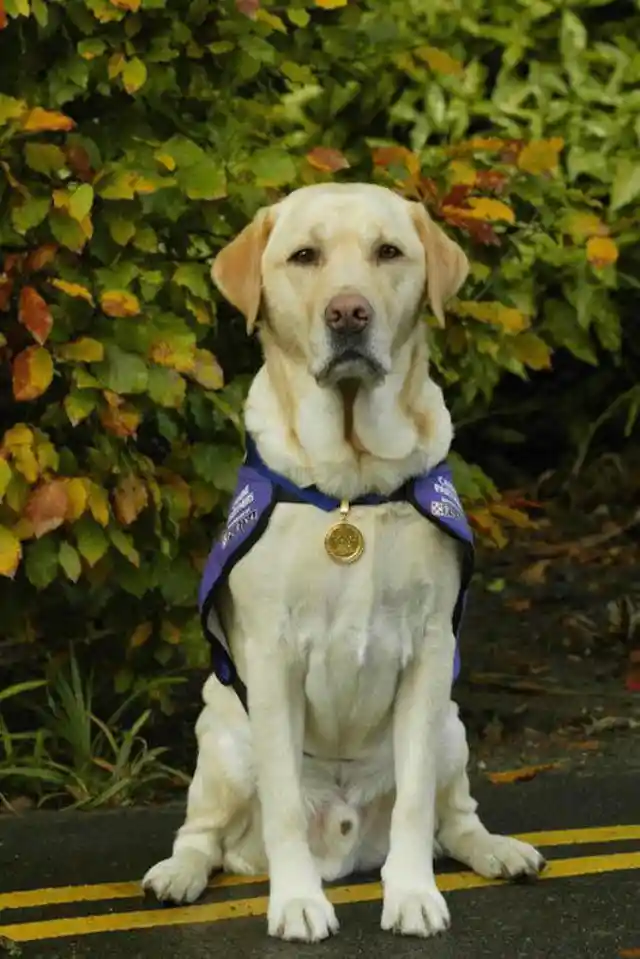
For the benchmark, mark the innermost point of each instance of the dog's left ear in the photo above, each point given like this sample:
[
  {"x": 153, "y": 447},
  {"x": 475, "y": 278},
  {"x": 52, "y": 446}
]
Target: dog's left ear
[
  {"x": 447, "y": 264},
  {"x": 237, "y": 269}
]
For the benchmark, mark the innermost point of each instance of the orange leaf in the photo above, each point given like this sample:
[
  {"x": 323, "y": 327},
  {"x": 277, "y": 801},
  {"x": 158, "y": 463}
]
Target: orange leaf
[
  {"x": 3, "y": 16},
  {"x": 248, "y": 7},
  {"x": 391, "y": 156},
  {"x": 119, "y": 303},
  {"x": 140, "y": 635},
  {"x": 130, "y": 497},
  {"x": 41, "y": 257},
  {"x": 47, "y": 507},
  {"x": 207, "y": 371},
  {"x": 496, "y": 314},
  {"x": 331, "y": 4},
  {"x": 629, "y": 954},
  {"x": 132, "y": 5},
  {"x": 601, "y": 251},
  {"x": 73, "y": 289},
  {"x": 524, "y": 774},
  {"x": 32, "y": 373},
  {"x": 327, "y": 159},
  {"x": 35, "y": 314},
  {"x": 120, "y": 421},
  {"x": 540, "y": 156},
  {"x": 38, "y": 120}
]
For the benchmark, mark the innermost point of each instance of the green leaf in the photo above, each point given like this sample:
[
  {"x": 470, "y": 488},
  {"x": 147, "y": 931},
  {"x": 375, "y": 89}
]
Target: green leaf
[
  {"x": 121, "y": 230},
  {"x": 300, "y": 18},
  {"x": 19, "y": 688},
  {"x": 67, "y": 231},
  {"x": 5, "y": 477},
  {"x": 41, "y": 562},
  {"x": 166, "y": 387},
  {"x": 273, "y": 167},
  {"x": 206, "y": 180},
  {"x": 44, "y": 157},
  {"x": 626, "y": 183},
  {"x": 91, "y": 540},
  {"x": 79, "y": 404},
  {"x": 184, "y": 152},
  {"x": 217, "y": 464},
  {"x": 124, "y": 544},
  {"x": 30, "y": 213},
  {"x": 122, "y": 372},
  {"x": 193, "y": 276},
  {"x": 70, "y": 562}
]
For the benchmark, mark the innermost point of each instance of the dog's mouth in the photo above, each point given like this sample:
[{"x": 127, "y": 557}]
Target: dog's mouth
[{"x": 351, "y": 364}]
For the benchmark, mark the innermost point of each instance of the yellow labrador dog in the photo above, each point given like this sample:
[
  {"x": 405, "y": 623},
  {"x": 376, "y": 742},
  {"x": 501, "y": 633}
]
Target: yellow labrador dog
[{"x": 334, "y": 619}]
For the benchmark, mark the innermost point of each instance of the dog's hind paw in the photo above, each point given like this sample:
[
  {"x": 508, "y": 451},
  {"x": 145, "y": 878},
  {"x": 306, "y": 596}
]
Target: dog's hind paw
[{"x": 183, "y": 878}]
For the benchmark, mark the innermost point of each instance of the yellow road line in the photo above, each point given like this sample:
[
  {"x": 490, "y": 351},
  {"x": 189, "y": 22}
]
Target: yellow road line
[
  {"x": 64, "y": 895},
  {"x": 243, "y": 908}
]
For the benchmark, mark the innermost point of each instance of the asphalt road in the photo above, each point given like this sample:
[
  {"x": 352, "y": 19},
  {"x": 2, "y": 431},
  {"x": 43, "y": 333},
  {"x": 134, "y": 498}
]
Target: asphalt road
[{"x": 68, "y": 887}]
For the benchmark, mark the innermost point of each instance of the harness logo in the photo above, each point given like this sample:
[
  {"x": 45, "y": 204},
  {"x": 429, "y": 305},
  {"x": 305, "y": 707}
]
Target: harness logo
[
  {"x": 238, "y": 526},
  {"x": 449, "y": 505}
]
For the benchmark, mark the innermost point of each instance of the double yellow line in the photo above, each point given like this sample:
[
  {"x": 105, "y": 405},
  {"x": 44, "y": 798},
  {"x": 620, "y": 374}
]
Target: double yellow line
[{"x": 257, "y": 906}]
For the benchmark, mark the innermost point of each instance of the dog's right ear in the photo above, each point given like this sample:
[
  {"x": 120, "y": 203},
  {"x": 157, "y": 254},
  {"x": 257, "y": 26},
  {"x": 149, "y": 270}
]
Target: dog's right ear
[{"x": 237, "y": 270}]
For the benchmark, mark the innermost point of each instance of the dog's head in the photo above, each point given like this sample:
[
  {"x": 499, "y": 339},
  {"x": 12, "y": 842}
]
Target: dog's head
[{"x": 339, "y": 272}]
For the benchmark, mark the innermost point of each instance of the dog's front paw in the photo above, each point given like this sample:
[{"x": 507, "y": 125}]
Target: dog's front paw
[
  {"x": 183, "y": 878},
  {"x": 302, "y": 919},
  {"x": 501, "y": 857},
  {"x": 414, "y": 912}
]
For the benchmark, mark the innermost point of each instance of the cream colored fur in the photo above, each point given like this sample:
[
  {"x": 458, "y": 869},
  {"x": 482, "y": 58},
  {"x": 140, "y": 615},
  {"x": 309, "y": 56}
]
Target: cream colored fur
[{"x": 353, "y": 756}]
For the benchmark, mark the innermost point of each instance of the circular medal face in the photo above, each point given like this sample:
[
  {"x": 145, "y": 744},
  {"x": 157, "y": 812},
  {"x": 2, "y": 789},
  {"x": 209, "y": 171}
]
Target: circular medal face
[{"x": 344, "y": 543}]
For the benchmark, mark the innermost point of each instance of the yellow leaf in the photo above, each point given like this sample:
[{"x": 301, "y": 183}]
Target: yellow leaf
[
  {"x": 514, "y": 516},
  {"x": 121, "y": 421},
  {"x": 540, "y": 156},
  {"x": 83, "y": 350},
  {"x": 32, "y": 373},
  {"x": 140, "y": 635},
  {"x": 495, "y": 314},
  {"x": 130, "y": 498},
  {"x": 47, "y": 455},
  {"x": 119, "y": 303},
  {"x": 5, "y": 477},
  {"x": 177, "y": 354},
  {"x": 10, "y": 552},
  {"x": 532, "y": 351},
  {"x": 461, "y": 172},
  {"x": 580, "y": 226},
  {"x": 440, "y": 61},
  {"x": 207, "y": 371},
  {"x": 18, "y": 442},
  {"x": 331, "y": 4},
  {"x": 73, "y": 289},
  {"x": 327, "y": 159},
  {"x": 99, "y": 504},
  {"x": 39, "y": 120},
  {"x": 483, "y": 208},
  {"x": 115, "y": 65},
  {"x": 601, "y": 251},
  {"x": 134, "y": 75},
  {"x": 77, "y": 497},
  {"x": 488, "y": 524},
  {"x": 166, "y": 160}
]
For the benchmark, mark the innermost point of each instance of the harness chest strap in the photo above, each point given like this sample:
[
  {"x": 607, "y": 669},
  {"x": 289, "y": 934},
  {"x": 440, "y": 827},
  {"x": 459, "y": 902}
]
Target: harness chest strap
[{"x": 258, "y": 492}]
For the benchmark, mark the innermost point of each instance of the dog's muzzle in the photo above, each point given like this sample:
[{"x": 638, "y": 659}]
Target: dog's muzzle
[{"x": 348, "y": 318}]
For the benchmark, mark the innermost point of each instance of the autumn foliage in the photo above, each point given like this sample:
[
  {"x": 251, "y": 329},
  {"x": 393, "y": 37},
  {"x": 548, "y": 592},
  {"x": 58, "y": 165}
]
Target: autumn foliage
[{"x": 156, "y": 130}]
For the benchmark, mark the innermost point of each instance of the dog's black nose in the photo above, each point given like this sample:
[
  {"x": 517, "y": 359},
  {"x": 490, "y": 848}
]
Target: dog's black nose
[{"x": 348, "y": 313}]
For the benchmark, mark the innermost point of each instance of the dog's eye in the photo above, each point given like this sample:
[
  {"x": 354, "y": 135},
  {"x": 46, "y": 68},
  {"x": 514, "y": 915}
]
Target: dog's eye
[
  {"x": 306, "y": 256},
  {"x": 388, "y": 252}
]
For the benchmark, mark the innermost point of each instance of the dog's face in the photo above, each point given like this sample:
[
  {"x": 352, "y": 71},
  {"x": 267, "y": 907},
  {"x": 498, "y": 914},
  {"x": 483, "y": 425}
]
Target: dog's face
[{"x": 340, "y": 272}]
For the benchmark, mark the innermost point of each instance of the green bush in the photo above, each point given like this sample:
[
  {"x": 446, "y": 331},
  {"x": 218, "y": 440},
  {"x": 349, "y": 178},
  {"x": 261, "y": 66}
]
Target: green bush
[{"x": 136, "y": 136}]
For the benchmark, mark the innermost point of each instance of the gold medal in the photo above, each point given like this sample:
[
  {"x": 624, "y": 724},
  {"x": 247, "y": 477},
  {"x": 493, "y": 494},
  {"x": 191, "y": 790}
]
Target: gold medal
[{"x": 344, "y": 542}]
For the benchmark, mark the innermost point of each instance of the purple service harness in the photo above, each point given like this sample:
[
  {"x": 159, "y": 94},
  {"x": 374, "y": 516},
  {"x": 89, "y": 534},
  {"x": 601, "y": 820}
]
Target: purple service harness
[{"x": 258, "y": 492}]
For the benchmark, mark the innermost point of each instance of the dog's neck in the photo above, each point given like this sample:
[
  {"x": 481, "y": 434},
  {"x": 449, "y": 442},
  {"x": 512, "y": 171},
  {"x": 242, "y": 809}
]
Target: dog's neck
[{"x": 351, "y": 439}]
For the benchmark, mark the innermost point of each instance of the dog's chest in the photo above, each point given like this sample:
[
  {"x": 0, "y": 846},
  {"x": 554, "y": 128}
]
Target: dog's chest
[{"x": 353, "y": 627}]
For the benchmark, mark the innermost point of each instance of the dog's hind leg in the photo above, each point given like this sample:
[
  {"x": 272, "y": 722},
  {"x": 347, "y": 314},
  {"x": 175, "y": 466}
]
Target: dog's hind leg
[
  {"x": 220, "y": 792},
  {"x": 460, "y": 831}
]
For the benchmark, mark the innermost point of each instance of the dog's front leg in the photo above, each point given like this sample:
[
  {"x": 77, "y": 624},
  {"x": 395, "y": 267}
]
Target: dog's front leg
[
  {"x": 412, "y": 903},
  {"x": 298, "y": 907}
]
